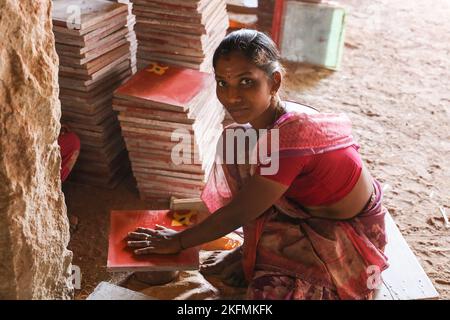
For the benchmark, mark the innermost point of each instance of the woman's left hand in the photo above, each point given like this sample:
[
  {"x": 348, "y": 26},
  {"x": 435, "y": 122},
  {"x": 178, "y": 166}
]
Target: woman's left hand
[{"x": 160, "y": 240}]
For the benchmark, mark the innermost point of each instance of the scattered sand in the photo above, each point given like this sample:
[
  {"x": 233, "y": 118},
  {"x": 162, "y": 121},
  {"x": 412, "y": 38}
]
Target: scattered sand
[{"x": 394, "y": 84}]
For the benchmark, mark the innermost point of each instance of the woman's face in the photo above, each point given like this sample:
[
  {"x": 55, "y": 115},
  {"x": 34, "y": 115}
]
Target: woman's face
[{"x": 242, "y": 88}]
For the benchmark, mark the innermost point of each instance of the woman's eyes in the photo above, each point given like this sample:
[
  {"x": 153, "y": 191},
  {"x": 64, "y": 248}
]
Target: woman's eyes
[
  {"x": 221, "y": 83},
  {"x": 247, "y": 82},
  {"x": 243, "y": 82}
]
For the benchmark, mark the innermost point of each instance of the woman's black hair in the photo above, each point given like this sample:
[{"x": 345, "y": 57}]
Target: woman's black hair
[{"x": 253, "y": 44}]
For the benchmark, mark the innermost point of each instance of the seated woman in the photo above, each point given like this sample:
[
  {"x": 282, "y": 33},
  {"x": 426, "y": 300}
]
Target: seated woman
[{"x": 312, "y": 230}]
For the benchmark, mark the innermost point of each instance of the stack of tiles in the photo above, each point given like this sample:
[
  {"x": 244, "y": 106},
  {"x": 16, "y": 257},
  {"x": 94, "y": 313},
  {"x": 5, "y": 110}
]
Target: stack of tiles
[
  {"x": 131, "y": 37},
  {"x": 171, "y": 122},
  {"x": 179, "y": 32},
  {"x": 95, "y": 59},
  {"x": 265, "y": 15},
  {"x": 242, "y": 14}
]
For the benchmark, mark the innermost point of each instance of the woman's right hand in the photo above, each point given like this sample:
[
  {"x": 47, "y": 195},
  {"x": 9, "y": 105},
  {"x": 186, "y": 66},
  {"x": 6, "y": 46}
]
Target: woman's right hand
[{"x": 160, "y": 240}]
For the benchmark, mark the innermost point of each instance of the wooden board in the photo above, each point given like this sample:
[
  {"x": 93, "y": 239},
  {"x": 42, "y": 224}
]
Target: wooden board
[
  {"x": 99, "y": 181},
  {"x": 169, "y": 183},
  {"x": 147, "y": 146},
  {"x": 205, "y": 23},
  {"x": 155, "y": 47},
  {"x": 159, "y": 149},
  {"x": 108, "y": 125},
  {"x": 118, "y": 75},
  {"x": 153, "y": 124},
  {"x": 233, "y": 8},
  {"x": 63, "y": 30},
  {"x": 164, "y": 197},
  {"x": 157, "y": 12},
  {"x": 141, "y": 103},
  {"x": 163, "y": 144},
  {"x": 138, "y": 134},
  {"x": 103, "y": 167},
  {"x": 176, "y": 41},
  {"x": 89, "y": 39},
  {"x": 86, "y": 119},
  {"x": 156, "y": 193},
  {"x": 158, "y": 189},
  {"x": 92, "y": 12},
  {"x": 405, "y": 278},
  {"x": 96, "y": 65},
  {"x": 152, "y": 152},
  {"x": 69, "y": 56},
  {"x": 160, "y": 115},
  {"x": 177, "y": 34},
  {"x": 161, "y": 152},
  {"x": 174, "y": 38},
  {"x": 147, "y": 184},
  {"x": 99, "y": 139},
  {"x": 95, "y": 46},
  {"x": 188, "y": 204},
  {"x": 109, "y": 150},
  {"x": 109, "y": 291},
  {"x": 143, "y": 63},
  {"x": 198, "y": 177},
  {"x": 164, "y": 165},
  {"x": 177, "y": 5},
  {"x": 96, "y": 93},
  {"x": 108, "y": 69},
  {"x": 94, "y": 118},
  {"x": 219, "y": 20},
  {"x": 84, "y": 107},
  {"x": 62, "y": 33}
]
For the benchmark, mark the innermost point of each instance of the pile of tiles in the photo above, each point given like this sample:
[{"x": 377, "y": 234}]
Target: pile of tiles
[
  {"x": 179, "y": 32},
  {"x": 93, "y": 42},
  {"x": 171, "y": 121},
  {"x": 265, "y": 15}
]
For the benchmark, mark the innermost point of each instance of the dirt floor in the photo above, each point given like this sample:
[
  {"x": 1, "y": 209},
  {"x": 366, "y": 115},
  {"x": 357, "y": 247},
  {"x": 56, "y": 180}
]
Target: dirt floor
[{"x": 394, "y": 84}]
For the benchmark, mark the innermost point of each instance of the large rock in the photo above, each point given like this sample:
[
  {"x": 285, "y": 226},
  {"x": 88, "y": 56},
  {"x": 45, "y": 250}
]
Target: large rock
[{"x": 34, "y": 231}]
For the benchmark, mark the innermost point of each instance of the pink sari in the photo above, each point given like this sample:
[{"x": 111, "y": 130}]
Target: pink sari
[{"x": 288, "y": 254}]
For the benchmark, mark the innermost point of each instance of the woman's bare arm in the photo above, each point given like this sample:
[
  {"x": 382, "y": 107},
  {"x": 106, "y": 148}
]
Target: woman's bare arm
[{"x": 255, "y": 197}]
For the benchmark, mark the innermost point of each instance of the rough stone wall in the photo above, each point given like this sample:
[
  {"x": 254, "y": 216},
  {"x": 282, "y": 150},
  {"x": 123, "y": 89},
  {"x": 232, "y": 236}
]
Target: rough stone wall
[{"x": 34, "y": 231}]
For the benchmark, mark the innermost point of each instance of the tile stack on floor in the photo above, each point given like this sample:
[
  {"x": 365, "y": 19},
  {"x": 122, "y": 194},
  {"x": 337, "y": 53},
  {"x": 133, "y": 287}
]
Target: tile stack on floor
[
  {"x": 94, "y": 54},
  {"x": 179, "y": 32},
  {"x": 131, "y": 37},
  {"x": 265, "y": 15},
  {"x": 154, "y": 105},
  {"x": 242, "y": 14}
]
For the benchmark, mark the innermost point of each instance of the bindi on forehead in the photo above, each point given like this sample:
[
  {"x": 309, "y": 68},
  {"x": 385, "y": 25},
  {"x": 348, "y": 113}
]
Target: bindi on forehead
[
  {"x": 228, "y": 73},
  {"x": 233, "y": 65}
]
